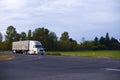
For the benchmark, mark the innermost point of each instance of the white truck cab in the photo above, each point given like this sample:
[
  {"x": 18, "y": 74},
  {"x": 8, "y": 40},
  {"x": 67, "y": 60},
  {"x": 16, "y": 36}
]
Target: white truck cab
[{"x": 36, "y": 48}]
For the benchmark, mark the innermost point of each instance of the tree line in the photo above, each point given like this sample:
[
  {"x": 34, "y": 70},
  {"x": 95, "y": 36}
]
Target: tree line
[{"x": 51, "y": 42}]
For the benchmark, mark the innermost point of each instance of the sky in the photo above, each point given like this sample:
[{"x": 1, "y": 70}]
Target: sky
[{"x": 80, "y": 18}]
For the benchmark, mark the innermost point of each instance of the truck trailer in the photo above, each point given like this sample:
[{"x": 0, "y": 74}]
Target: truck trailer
[{"x": 28, "y": 47}]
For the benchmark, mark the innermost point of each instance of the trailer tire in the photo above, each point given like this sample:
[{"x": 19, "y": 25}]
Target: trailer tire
[{"x": 14, "y": 52}]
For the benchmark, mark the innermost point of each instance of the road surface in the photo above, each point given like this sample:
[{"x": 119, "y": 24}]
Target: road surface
[{"x": 37, "y": 67}]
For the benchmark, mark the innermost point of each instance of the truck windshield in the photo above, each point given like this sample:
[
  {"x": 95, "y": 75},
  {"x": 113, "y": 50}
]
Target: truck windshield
[{"x": 38, "y": 46}]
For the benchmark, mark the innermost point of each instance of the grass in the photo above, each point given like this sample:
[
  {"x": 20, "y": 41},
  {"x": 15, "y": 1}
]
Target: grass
[
  {"x": 108, "y": 53},
  {"x": 6, "y": 57}
]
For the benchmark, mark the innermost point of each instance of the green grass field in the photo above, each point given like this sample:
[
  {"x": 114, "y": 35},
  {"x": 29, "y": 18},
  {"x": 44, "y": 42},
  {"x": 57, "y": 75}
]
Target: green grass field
[{"x": 108, "y": 53}]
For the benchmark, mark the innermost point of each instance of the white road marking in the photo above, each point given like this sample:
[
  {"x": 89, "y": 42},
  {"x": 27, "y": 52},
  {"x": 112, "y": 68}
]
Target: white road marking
[{"x": 111, "y": 69}]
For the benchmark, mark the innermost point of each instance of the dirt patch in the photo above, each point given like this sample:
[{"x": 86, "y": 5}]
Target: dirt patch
[{"x": 6, "y": 57}]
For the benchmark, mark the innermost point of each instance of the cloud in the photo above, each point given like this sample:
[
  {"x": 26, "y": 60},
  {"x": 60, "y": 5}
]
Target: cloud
[
  {"x": 12, "y": 4},
  {"x": 74, "y": 16},
  {"x": 58, "y": 6}
]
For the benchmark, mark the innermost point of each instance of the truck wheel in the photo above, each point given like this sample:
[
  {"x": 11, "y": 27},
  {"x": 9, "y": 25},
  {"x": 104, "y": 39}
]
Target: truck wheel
[
  {"x": 25, "y": 53},
  {"x": 14, "y": 52},
  {"x": 42, "y": 54}
]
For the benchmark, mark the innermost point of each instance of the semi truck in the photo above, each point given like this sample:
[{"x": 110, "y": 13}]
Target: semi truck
[{"x": 28, "y": 47}]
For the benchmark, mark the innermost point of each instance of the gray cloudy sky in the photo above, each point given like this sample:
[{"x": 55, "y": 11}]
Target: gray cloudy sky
[{"x": 81, "y": 18}]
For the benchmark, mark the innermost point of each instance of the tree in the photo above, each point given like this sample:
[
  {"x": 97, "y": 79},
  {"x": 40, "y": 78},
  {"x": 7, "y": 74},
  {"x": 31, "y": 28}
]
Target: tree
[
  {"x": 107, "y": 41},
  {"x": 113, "y": 40},
  {"x": 102, "y": 40},
  {"x": 64, "y": 36},
  {"x": 23, "y": 36},
  {"x": 64, "y": 42},
  {"x": 11, "y": 35},
  {"x": 42, "y": 35},
  {"x": 73, "y": 44},
  {"x": 29, "y": 35},
  {"x": 115, "y": 45},
  {"x": 96, "y": 41},
  {"x": 107, "y": 37},
  {"x": 1, "y": 37},
  {"x": 18, "y": 37},
  {"x": 52, "y": 41},
  {"x": 52, "y": 36},
  {"x": 87, "y": 45},
  {"x": 1, "y": 41}
]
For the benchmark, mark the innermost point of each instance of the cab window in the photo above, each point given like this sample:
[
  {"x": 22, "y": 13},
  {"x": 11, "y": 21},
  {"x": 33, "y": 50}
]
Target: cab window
[{"x": 38, "y": 46}]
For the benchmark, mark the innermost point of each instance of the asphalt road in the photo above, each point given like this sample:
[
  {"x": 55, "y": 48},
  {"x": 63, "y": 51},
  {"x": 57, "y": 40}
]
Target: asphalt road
[{"x": 37, "y": 67}]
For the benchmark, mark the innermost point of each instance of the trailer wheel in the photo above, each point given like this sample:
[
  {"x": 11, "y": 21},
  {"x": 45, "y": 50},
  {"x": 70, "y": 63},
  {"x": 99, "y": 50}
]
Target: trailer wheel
[
  {"x": 25, "y": 52},
  {"x": 14, "y": 52},
  {"x": 42, "y": 54}
]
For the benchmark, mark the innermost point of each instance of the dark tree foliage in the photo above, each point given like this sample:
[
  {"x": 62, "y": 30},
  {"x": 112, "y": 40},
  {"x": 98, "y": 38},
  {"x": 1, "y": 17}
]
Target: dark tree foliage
[
  {"x": 66, "y": 44},
  {"x": 96, "y": 41},
  {"x": 73, "y": 44},
  {"x": 29, "y": 35},
  {"x": 64, "y": 36},
  {"x": 104, "y": 43},
  {"x": 41, "y": 34},
  {"x": 51, "y": 43},
  {"x": 87, "y": 45},
  {"x": 110, "y": 44},
  {"x": 107, "y": 41},
  {"x": 47, "y": 38},
  {"x": 102, "y": 40},
  {"x": 114, "y": 44},
  {"x": 1, "y": 37},
  {"x": 1, "y": 41},
  {"x": 23, "y": 36},
  {"x": 11, "y": 35}
]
